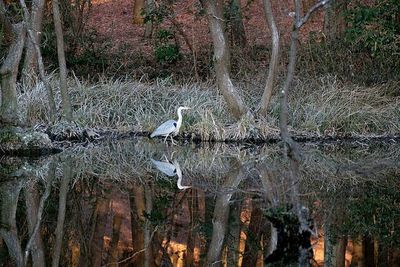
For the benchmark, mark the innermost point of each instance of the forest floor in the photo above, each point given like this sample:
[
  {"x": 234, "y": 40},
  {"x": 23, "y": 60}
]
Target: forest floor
[{"x": 113, "y": 19}]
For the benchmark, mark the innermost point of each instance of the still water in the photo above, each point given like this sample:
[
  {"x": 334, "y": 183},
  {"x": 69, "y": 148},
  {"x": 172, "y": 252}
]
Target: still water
[{"x": 141, "y": 203}]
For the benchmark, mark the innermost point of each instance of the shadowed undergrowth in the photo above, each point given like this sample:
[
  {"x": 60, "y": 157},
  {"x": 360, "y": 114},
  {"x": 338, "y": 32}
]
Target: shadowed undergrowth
[{"x": 323, "y": 106}]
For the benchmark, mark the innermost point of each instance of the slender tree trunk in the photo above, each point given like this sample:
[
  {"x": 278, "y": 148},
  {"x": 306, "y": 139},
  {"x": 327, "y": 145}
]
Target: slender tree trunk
[
  {"x": 236, "y": 21},
  {"x": 299, "y": 21},
  {"x": 29, "y": 70},
  {"x": 50, "y": 94},
  {"x": 138, "y": 6},
  {"x": 8, "y": 77},
  {"x": 62, "y": 201},
  {"x": 148, "y": 32},
  {"x": 66, "y": 102},
  {"x": 235, "y": 103},
  {"x": 273, "y": 65}
]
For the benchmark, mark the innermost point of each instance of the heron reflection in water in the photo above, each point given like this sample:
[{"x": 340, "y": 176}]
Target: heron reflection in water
[
  {"x": 171, "y": 169},
  {"x": 170, "y": 128}
]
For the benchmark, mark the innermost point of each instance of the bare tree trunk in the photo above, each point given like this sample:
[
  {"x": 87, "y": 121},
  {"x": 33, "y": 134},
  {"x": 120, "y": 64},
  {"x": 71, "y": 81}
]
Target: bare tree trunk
[
  {"x": 8, "y": 76},
  {"x": 236, "y": 21},
  {"x": 66, "y": 102},
  {"x": 273, "y": 65},
  {"x": 138, "y": 6},
  {"x": 62, "y": 201},
  {"x": 29, "y": 71},
  {"x": 299, "y": 21},
  {"x": 148, "y": 32},
  {"x": 222, "y": 58},
  {"x": 50, "y": 94},
  {"x": 221, "y": 214}
]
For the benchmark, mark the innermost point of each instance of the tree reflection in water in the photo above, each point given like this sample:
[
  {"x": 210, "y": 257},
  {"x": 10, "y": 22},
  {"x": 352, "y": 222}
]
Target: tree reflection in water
[{"x": 109, "y": 206}]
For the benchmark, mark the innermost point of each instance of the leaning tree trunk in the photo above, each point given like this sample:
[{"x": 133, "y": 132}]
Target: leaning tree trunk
[
  {"x": 235, "y": 103},
  {"x": 66, "y": 103},
  {"x": 273, "y": 65},
  {"x": 29, "y": 70},
  {"x": 8, "y": 77},
  {"x": 49, "y": 90}
]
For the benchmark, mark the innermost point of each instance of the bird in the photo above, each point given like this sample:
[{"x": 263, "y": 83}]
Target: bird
[
  {"x": 171, "y": 169},
  {"x": 170, "y": 127}
]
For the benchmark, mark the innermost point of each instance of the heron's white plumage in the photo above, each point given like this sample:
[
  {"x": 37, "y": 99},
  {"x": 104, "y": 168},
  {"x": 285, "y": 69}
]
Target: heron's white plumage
[
  {"x": 165, "y": 129},
  {"x": 169, "y": 127}
]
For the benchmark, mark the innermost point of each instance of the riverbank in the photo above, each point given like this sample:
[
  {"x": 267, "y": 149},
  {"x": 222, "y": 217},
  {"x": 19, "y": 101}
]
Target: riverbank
[{"x": 324, "y": 107}]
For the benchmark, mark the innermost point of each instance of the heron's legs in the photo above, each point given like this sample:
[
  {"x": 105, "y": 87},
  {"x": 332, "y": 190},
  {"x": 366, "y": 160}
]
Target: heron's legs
[
  {"x": 165, "y": 140},
  {"x": 172, "y": 140}
]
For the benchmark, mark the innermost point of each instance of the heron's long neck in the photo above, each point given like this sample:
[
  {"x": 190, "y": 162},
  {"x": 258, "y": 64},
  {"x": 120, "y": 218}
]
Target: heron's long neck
[{"x": 179, "y": 122}]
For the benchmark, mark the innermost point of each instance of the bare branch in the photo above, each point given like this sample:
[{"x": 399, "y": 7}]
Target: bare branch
[{"x": 314, "y": 8}]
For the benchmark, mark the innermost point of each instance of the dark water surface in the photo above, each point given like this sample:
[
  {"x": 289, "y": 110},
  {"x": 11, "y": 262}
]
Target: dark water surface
[{"x": 140, "y": 203}]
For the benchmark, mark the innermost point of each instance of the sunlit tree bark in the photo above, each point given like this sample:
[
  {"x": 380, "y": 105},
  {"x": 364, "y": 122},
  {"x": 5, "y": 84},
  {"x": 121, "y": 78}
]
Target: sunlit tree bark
[
  {"x": 357, "y": 259},
  {"x": 138, "y": 6},
  {"x": 66, "y": 102},
  {"x": 273, "y": 64},
  {"x": 255, "y": 231},
  {"x": 235, "y": 103}
]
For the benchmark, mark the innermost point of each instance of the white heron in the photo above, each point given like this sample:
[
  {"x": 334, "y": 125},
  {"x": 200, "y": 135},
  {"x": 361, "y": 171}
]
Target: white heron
[
  {"x": 171, "y": 169},
  {"x": 170, "y": 127}
]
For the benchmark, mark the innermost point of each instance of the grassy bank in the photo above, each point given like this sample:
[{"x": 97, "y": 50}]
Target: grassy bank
[{"x": 323, "y": 106}]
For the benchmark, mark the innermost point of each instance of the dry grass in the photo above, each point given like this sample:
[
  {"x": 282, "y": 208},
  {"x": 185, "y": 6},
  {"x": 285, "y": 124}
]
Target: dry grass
[{"x": 323, "y": 105}]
